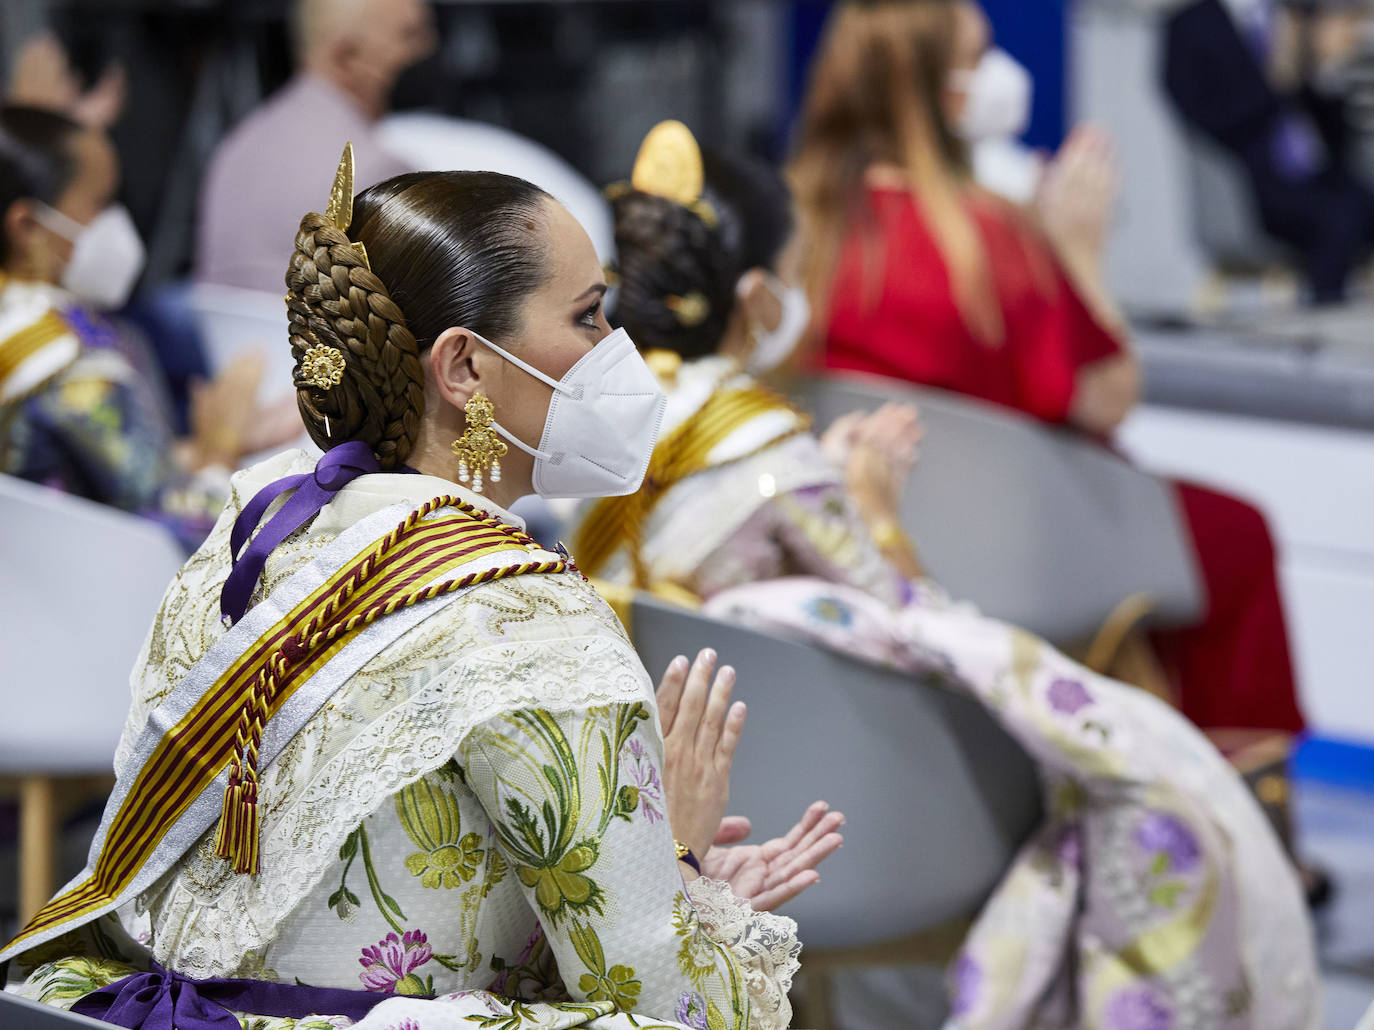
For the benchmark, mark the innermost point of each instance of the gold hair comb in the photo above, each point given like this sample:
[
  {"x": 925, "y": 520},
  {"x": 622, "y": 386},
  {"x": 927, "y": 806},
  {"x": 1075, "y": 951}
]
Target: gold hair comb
[
  {"x": 340, "y": 209},
  {"x": 669, "y": 165}
]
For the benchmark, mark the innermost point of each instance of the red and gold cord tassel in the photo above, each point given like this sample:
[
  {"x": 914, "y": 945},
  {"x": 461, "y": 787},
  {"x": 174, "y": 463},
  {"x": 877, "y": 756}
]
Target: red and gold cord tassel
[{"x": 238, "y": 839}]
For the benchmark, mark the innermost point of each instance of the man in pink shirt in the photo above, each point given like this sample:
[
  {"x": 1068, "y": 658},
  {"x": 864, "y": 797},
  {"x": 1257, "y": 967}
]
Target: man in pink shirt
[{"x": 276, "y": 164}]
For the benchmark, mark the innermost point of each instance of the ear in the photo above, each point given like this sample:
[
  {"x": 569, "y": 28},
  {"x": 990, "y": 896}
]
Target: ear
[
  {"x": 451, "y": 367},
  {"x": 753, "y": 296},
  {"x": 20, "y": 228}
]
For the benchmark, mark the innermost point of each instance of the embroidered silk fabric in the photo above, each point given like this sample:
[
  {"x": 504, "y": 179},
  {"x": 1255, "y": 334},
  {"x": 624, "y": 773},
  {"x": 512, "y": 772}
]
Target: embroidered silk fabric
[
  {"x": 478, "y": 814},
  {"x": 101, "y": 428},
  {"x": 1154, "y": 895}
]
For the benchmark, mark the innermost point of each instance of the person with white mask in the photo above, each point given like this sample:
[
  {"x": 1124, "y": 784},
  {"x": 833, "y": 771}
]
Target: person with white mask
[
  {"x": 705, "y": 287},
  {"x": 83, "y": 405},
  {"x": 449, "y": 797}
]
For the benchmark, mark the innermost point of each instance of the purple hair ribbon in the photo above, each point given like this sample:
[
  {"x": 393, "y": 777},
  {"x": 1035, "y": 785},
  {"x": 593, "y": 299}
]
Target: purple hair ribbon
[{"x": 338, "y": 467}]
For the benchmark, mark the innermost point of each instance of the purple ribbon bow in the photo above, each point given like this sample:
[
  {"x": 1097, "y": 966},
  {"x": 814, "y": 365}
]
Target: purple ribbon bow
[
  {"x": 338, "y": 467},
  {"x": 163, "y": 1000}
]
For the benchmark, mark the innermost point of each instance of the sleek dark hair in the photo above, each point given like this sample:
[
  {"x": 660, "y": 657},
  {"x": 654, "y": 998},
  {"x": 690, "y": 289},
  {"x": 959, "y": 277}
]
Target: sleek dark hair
[
  {"x": 36, "y": 158},
  {"x": 678, "y": 267},
  {"x": 444, "y": 249}
]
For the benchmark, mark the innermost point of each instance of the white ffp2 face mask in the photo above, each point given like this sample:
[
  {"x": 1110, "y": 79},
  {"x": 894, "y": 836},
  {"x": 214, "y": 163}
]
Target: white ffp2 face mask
[
  {"x": 107, "y": 254},
  {"x": 602, "y": 424},
  {"x": 997, "y": 98},
  {"x": 772, "y": 348}
]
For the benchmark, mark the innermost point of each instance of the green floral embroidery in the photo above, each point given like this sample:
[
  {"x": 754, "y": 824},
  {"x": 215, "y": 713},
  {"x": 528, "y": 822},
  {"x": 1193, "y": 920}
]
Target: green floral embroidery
[
  {"x": 345, "y": 902},
  {"x": 522, "y": 1014},
  {"x": 696, "y": 956},
  {"x": 616, "y": 985},
  {"x": 71, "y": 978},
  {"x": 431, "y": 817}
]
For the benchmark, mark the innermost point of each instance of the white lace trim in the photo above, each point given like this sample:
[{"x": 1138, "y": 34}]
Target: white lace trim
[
  {"x": 765, "y": 946},
  {"x": 205, "y": 928}
]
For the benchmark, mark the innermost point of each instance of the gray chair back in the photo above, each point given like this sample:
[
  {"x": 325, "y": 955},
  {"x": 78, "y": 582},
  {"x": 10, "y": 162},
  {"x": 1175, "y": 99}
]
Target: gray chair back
[
  {"x": 1224, "y": 214},
  {"x": 82, "y": 583},
  {"x": 1035, "y": 525},
  {"x": 938, "y": 798},
  {"x": 18, "y": 1013}
]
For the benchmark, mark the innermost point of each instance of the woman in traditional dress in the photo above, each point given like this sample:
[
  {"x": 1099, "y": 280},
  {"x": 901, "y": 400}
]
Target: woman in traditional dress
[
  {"x": 917, "y": 274},
  {"x": 82, "y": 403},
  {"x": 425, "y": 760},
  {"x": 1154, "y": 894}
]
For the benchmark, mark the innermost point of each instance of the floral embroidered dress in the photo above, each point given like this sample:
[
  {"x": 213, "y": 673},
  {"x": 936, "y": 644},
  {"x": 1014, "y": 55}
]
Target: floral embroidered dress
[
  {"x": 475, "y": 816},
  {"x": 1154, "y": 895},
  {"x": 80, "y": 410}
]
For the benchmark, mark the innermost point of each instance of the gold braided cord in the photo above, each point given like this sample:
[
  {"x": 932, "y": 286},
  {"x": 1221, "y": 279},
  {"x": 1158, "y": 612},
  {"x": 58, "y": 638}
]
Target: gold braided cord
[
  {"x": 617, "y": 522},
  {"x": 238, "y": 837}
]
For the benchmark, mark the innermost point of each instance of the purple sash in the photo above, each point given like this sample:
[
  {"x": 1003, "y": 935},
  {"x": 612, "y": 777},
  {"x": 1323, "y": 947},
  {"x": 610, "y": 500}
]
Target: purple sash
[{"x": 163, "y": 1000}]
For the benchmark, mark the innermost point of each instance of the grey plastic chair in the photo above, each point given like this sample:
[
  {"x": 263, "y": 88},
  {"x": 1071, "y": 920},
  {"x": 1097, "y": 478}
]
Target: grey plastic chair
[
  {"x": 21, "y": 1014},
  {"x": 1225, "y": 218},
  {"x": 82, "y": 582},
  {"x": 938, "y": 798},
  {"x": 1035, "y": 525}
]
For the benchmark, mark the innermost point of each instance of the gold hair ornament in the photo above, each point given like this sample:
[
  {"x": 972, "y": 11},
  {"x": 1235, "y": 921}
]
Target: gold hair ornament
[
  {"x": 322, "y": 367},
  {"x": 479, "y": 448},
  {"x": 340, "y": 208},
  {"x": 690, "y": 310},
  {"x": 669, "y": 165}
]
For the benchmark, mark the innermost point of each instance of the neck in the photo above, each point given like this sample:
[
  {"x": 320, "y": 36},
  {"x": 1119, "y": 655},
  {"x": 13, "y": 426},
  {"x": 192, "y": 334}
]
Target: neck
[
  {"x": 431, "y": 456},
  {"x": 370, "y": 104},
  {"x": 736, "y": 342}
]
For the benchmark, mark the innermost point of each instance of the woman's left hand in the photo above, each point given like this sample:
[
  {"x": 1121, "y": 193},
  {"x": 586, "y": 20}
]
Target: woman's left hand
[{"x": 771, "y": 874}]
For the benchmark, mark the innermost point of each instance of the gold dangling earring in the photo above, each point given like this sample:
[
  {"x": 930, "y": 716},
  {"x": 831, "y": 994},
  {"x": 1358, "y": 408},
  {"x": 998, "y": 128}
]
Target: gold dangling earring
[{"x": 479, "y": 447}]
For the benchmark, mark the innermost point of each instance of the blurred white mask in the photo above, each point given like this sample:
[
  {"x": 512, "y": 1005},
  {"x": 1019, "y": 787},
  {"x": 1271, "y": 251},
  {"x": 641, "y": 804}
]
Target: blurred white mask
[
  {"x": 107, "y": 254},
  {"x": 997, "y": 98}
]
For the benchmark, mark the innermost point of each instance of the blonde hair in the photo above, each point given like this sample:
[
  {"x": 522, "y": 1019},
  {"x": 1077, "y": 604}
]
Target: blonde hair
[{"x": 876, "y": 96}]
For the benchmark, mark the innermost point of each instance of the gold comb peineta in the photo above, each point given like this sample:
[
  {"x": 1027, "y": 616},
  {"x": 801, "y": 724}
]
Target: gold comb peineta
[
  {"x": 340, "y": 208},
  {"x": 669, "y": 165}
]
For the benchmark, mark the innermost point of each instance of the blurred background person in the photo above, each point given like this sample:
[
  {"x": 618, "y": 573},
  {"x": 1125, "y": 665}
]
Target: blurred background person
[
  {"x": 745, "y": 508},
  {"x": 82, "y": 404},
  {"x": 1265, "y": 80},
  {"x": 349, "y": 55},
  {"x": 916, "y": 273}
]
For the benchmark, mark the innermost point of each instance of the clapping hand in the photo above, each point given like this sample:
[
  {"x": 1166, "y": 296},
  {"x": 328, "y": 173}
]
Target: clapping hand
[
  {"x": 771, "y": 874},
  {"x": 701, "y": 729}
]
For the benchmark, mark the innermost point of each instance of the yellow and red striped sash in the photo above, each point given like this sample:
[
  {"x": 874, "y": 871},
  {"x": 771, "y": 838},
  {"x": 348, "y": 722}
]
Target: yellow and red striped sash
[
  {"x": 619, "y": 521},
  {"x": 415, "y": 562}
]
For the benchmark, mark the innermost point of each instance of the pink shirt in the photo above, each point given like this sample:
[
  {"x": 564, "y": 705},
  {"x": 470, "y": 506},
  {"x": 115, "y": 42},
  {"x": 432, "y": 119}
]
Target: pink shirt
[{"x": 274, "y": 167}]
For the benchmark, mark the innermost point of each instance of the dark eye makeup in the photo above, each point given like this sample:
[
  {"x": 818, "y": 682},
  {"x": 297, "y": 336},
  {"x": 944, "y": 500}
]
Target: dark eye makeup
[{"x": 588, "y": 317}]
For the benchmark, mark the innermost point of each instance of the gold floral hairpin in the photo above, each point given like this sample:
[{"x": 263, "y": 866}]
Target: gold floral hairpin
[
  {"x": 669, "y": 165},
  {"x": 322, "y": 367}
]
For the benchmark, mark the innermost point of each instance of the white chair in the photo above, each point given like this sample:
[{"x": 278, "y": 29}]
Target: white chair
[
  {"x": 937, "y": 797},
  {"x": 21, "y": 1014},
  {"x": 235, "y": 321},
  {"x": 435, "y": 141},
  {"x": 1035, "y": 525},
  {"x": 82, "y": 582}
]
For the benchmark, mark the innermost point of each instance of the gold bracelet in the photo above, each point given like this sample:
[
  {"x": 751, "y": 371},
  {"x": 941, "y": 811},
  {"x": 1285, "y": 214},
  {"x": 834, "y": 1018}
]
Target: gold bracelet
[
  {"x": 684, "y": 854},
  {"x": 889, "y": 535}
]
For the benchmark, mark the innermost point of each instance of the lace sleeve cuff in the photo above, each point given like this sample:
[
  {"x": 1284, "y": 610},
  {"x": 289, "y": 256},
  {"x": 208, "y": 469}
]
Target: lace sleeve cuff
[{"x": 763, "y": 944}]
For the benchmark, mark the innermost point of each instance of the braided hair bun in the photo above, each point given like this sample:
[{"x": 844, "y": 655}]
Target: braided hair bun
[
  {"x": 455, "y": 248},
  {"x": 679, "y": 266},
  {"x": 333, "y": 299}
]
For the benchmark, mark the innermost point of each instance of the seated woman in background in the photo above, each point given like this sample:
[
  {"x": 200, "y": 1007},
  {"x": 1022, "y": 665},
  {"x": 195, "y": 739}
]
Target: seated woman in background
[
  {"x": 917, "y": 274},
  {"x": 1149, "y": 835},
  {"x": 425, "y": 760},
  {"x": 81, "y": 404}
]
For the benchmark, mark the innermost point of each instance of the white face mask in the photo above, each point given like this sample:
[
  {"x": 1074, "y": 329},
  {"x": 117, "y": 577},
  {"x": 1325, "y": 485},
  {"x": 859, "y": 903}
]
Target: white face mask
[
  {"x": 602, "y": 424},
  {"x": 107, "y": 254},
  {"x": 997, "y": 98},
  {"x": 772, "y": 348}
]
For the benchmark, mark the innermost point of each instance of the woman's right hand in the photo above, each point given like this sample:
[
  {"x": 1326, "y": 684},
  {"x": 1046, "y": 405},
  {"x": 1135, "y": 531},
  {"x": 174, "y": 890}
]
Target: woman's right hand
[
  {"x": 884, "y": 450},
  {"x": 701, "y": 730}
]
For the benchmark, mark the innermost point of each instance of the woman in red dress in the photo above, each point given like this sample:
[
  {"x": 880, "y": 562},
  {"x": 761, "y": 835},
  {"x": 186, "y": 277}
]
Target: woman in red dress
[{"x": 917, "y": 274}]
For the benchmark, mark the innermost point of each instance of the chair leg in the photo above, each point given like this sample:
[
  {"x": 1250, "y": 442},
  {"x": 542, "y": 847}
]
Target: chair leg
[{"x": 38, "y": 826}]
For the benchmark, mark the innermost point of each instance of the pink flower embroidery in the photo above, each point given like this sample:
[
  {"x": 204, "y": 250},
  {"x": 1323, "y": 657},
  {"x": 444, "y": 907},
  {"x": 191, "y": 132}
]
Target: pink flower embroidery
[
  {"x": 388, "y": 964},
  {"x": 640, "y": 771}
]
